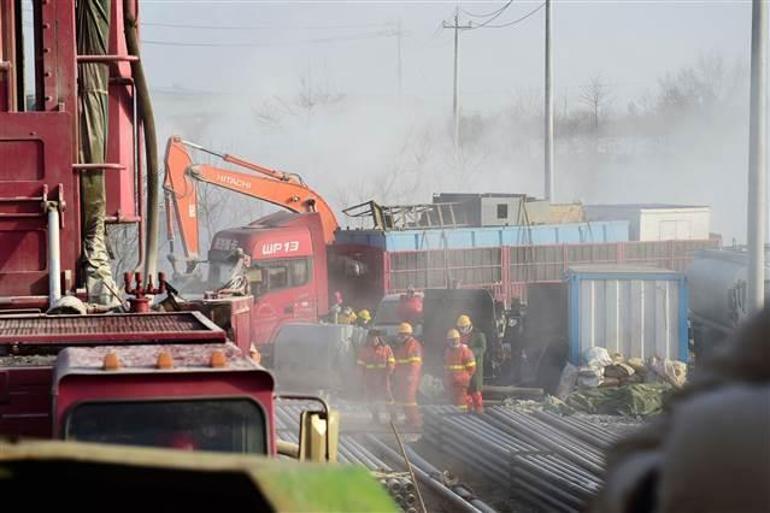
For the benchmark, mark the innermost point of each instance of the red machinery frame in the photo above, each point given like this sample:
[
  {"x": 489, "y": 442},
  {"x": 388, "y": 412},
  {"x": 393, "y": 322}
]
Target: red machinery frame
[{"x": 39, "y": 167}]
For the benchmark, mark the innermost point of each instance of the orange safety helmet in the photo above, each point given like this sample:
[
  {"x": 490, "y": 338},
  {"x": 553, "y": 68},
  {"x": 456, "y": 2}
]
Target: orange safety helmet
[
  {"x": 405, "y": 329},
  {"x": 463, "y": 321}
]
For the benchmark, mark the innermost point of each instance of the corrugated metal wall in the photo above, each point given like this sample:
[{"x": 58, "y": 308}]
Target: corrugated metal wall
[
  {"x": 549, "y": 263},
  {"x": 634, "y": 317},
  {"x": 425, "y": 269},
  {"x": 505, "y": 270}
]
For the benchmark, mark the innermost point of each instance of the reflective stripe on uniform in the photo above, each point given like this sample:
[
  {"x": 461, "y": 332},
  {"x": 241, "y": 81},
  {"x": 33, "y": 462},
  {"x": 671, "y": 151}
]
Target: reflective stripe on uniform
[
  {"x": 413, "y": 359},
  {"x": 375, "y": 365},
  {"x": 470, "y": 364},
  {"x": 463, "y": 407},
  {"x": 456, "y": 367}
]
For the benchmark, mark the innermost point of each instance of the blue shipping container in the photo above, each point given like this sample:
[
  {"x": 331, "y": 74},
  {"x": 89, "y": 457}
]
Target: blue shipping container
[
  {"x": 632, "y": 310},
  {"x": 486, "y": 237}
]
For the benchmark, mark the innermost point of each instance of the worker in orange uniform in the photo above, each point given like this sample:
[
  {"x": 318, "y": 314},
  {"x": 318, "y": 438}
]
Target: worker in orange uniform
[
  {"x": 364, "y": 319},
  {"x": 460, "y": 365},
  {"x": 376, "y": 363},
  {"x": 410, "y": 307},
  {"x": 476, "y": 342},
  {"x": 347, "y": 316},
  {"x": 406, "y": 378}
]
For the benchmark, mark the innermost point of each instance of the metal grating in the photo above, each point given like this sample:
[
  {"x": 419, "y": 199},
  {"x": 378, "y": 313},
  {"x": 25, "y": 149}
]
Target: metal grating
[{"x": 89, "y": 329}]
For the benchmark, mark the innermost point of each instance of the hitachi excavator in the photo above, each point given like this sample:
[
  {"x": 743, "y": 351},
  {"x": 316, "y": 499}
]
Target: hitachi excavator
[{"x": 280, "y": 259}]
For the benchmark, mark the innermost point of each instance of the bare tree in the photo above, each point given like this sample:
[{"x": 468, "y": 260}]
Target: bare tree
[
  {"x": 313, "y": 94},
  {"x": 700, "y": 87},
  {"x": 122, "y": 242},
  {"x": 596, "y": 96}
]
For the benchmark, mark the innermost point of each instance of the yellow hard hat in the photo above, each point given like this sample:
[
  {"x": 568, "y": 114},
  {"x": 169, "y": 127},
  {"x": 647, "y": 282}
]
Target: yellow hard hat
[
  {"x": 463, "y": 321},
  {"x": 404, "y": 328},
  {"x": 452, "y": 334},
  {"x": 365, "y": 315}
]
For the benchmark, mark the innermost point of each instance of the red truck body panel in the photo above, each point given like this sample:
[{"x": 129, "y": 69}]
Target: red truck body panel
[
  {"x": 282, "y": 237},
  {"x": 25, "y": 401},
  {"x": 505, "y": 270},
  {"x": 39, "y": 164},
  {"x": 29, "y": 346},
  {"x": 79, "y": 378}
]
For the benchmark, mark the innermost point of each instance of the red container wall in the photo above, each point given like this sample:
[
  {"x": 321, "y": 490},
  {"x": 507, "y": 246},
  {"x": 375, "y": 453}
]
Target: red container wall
[{"x": 504, "y": 271}]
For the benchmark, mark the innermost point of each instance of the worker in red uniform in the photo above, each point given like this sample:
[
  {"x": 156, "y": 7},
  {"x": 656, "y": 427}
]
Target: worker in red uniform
[
  {"x": 376, "y": 363},
  {"x": 459, "y": 365},
  {"x": 476, "y": 342},
  {"x": 410, "y": 307},
  {"x": 406, "y": 378}
]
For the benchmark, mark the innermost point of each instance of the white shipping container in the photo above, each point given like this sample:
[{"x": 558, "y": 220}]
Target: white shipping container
[
  {"x": 632, "y": 310},
  {"x": 654, "y": 222}
]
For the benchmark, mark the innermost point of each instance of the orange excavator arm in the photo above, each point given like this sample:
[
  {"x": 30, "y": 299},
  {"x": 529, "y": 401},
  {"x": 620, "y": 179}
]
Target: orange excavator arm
[{"x": 282, "y": 189}]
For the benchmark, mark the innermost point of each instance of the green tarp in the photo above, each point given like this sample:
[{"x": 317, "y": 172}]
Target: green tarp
[{"x": 638, "y": 400}]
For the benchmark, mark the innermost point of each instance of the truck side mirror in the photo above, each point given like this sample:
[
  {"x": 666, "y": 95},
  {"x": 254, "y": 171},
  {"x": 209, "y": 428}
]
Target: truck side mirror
[{"x": 319, "y": 436}]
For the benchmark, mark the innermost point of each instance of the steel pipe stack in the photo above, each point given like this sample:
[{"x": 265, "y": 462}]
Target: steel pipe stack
[
  {"x": 349, "y": 450},
  {"x": 540, "y": 459},
  {"x": 592, "y": 434},
  {"x": 458, "y": 502}
]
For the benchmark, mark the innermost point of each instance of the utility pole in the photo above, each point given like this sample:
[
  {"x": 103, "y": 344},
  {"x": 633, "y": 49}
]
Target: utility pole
[
  {"x": 456, "y": 84},
  {"x": 757, "y": 211},
  {"x": 548, "y": 149}
]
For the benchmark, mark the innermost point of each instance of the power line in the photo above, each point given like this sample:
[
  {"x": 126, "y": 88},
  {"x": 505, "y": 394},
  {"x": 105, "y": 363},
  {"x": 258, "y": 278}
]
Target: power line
[
  {"x": 266, "y": 27},
  {"x": 228, "y": 44},
  {"x": 493, "y": 18},
  {"x": 517, "y": 20},
  {"x": 486, "y": 15}
]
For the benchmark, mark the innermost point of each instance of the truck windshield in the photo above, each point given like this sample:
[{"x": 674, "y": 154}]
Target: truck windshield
[
  {"x": 230, "y": 425},
  {"x": 281, "y": 274},
  {"x": 387, "y": 312},
  {"x": 276, "y": 274},
  {"x": 220, "y": 271}
]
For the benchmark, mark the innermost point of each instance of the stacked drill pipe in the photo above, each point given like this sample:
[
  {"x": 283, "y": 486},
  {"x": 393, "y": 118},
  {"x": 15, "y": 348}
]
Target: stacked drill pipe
[
  {"x": 461, "y": 500},
  {"x": 592, "y": 434},
  {"x": 463, "y": 491},
  {"x": 544, "y": 466},
  {"x": 351, "y": 451},
  {"x": 547, "y": 437}
]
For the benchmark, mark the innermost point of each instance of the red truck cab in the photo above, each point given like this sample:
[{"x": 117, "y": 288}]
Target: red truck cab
[
  {"x": 138, "y": 379},
  {"x": 197, "y": 397},
  {"x": 288, "y": 253}
]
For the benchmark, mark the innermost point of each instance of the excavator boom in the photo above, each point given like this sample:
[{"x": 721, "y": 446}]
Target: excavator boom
[{"x": 282, "y": 189}]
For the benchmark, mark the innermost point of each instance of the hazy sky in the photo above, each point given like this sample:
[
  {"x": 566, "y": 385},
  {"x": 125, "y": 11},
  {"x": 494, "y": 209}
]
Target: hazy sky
[
  {"x": 255, "y": 51},
  {"x": 352, "y": 46}
]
